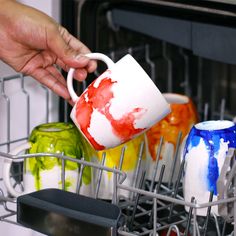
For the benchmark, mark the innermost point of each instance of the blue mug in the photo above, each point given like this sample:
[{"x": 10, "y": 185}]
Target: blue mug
[{"x": 205, "y": 152}]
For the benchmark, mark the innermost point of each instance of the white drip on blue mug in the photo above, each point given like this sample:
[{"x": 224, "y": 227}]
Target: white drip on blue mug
[{"x": 205, "y": 151}]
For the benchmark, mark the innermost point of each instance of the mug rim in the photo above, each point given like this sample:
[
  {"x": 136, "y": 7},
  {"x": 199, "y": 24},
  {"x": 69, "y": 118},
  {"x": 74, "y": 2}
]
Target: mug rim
[
  {"x": 214, "y": 125},
  {"x": 175, "y": 98},
  {"x": 54, "y": 127}
]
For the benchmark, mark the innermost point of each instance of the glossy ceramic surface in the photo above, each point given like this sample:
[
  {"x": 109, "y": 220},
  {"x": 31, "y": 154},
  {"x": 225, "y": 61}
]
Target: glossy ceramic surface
[
  {"x": 61, "y": 138},
  {"x": 181, "y": 119},
  {"x": 46, "y": 172},
  {"x": 204, "y": 154},
  {"x": 119, "y": 105},
  {"x": 129, "y": 165}
]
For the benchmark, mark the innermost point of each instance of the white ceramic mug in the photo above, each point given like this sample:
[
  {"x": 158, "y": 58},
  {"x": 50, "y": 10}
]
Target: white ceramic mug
[
  {"x": 119, "y": 105},
  {"x": 46, "y": 171},
  {"x": 205, "y": 153}
]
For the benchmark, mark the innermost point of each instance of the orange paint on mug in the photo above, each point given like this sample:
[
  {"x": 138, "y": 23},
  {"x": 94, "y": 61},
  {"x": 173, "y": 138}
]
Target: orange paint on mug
[{"x": 182, "y": 117}]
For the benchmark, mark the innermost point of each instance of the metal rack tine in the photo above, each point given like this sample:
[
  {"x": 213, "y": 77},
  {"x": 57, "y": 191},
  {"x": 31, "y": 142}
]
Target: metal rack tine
[
  {"x": 100, "y": 175},
  {"x": 234, "y": 210},
  {"x": 231, "y": 174},
  {"x": 206, "y": 111},
  {"x": 150, "y": 62},
  {"x": 158, "y": 186},
  {"x": 217, "y": 224},
  {"x": 81, "y": 170},
  {"x": 186, "y": 83},
  {"x": 169, "y": 67},
  {"x": 4, "y": 200},
  {"x": 156, "y": 190},
  {"x": 66, "y": 111},
  {"x": 8, "y": 116},
  {"x": 154, "y": 214},
  {"x": 47, "y": 102},
  {"x": 195, "y": 219},
  {"x": 175, "y": 228},
  {"x": 119, "y": 168},
  {"x": 156, "y": 163},
  {"x": 189, "y": 218},
  {"x": 136, "y": 200},
  {"x": 175, "y": 191},
  {"x": 110, "y": 22},
  {"x": 138, "y": 167},
  {"x": 223, "y": 228},
  {"x": 130, "y": 50},
  {"x": 222, "y": 108},
  {"x": 20, "y": 185},
  {"x": 63, "y": 167},
  {"x": 208, "y": 215},
  {"x": 122, "y": 157},
  {"x": 27, "y": 103},
  {"x": 222, "y": 185},
  {"x": 199, "y": 83},
  {"x": 84, "y": 82},
  {"x": 112, "y": 55},
  {"x": 114, "y": 196},
  {"x": 176, "y": 155}
]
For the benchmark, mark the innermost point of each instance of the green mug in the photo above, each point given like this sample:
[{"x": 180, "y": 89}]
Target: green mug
[{"x": 46, "y": 171}]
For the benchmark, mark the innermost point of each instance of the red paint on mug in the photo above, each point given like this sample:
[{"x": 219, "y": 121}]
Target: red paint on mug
[
  {"x": 124, "y": 127},
  {"x": 83, "y": 116},
  {"x": 99, "y": 98}
]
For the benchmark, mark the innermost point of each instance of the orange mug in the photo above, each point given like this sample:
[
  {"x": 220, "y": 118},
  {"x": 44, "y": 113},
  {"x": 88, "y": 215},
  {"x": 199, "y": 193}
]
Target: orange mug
[{"x": 181, "y": 119}]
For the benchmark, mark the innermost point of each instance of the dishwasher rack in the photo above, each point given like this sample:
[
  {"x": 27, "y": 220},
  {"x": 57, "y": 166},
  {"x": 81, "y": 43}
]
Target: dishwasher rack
[
  {"x": 154, "y": 208},
  {"x": 143, "y": 211}
]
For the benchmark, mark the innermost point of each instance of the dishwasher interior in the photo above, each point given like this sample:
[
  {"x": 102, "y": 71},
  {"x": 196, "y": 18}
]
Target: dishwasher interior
[{"x": 154, "y": 207}]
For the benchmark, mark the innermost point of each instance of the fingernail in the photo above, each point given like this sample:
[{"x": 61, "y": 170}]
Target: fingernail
[{"x": 79, "y": 56}]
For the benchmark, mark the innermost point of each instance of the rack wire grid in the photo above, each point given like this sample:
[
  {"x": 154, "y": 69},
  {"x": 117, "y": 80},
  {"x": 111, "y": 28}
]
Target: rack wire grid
[{"x": 155, "y": 207}]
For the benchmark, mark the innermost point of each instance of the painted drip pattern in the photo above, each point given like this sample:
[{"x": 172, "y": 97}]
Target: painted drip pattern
[
  {"x": 130, "y": 157},
  {"x": 181, "y": 118},
  {"x": 56, "y": 137},
  {"x": 212, "y": 140},
  {"x": 99, "y": 97}
]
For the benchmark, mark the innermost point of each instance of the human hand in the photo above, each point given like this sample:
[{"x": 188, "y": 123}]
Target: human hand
[{"x": 32, "y": 43}]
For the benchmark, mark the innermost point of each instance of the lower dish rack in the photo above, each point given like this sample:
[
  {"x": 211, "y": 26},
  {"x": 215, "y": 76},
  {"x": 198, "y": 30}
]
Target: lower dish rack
[{"x": 153, "y": 208}]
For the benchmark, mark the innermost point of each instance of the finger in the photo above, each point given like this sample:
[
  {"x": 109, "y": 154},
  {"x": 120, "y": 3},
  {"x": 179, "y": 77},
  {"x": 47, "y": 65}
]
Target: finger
[
  {"x": 80, "y": 74},
  {"x": 71, "y": 102},
  {"x": 82, "y": 62},
  {"x": 56, "y": 74},
  {"x": 47, "y": 79},
  {"x": 92, "y": 66}
]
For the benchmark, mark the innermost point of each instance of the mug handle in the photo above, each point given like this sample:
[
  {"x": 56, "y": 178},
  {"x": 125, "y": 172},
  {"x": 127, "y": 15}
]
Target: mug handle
[
  {"x": 7, "y": 168},
  {"x": 95, "y": 56}
]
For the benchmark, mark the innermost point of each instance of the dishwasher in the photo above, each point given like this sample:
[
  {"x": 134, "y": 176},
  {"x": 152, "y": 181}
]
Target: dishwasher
[{"x": 186, "y": 47}]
